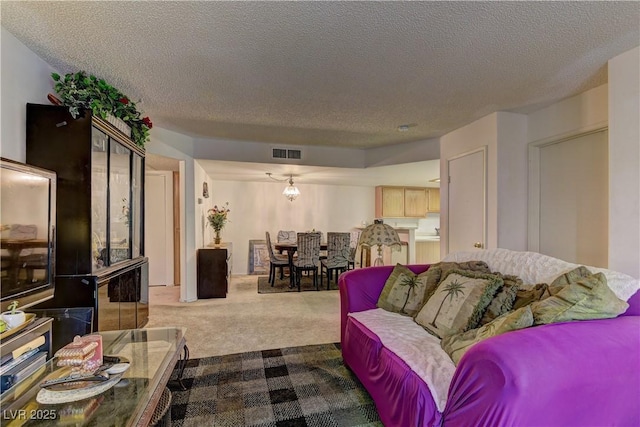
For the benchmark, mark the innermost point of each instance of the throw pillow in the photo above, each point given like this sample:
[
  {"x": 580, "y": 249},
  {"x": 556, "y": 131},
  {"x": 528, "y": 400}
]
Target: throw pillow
[
  {"x": 404, "y": 292},
  {"x": 587, "y": 298},
  {"x": 503, "y": 300},
  {"x": 446, "y": 267},
  {"x": 568, "y": 278},
  {"x": 479, "y": 266},
  {"x": 456, "y": 345},
  {"x": 528, "y": 294},
  {"x": 458, "y": 302}
]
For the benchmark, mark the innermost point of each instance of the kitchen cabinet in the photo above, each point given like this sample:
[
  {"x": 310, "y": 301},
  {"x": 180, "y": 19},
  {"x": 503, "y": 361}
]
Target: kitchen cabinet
[
  {"x": 427, "y": 251},
  {"x": 389, "y": 202},
  {"x": 401, "y": 202},
  {"x": 100, "y": 260},
  {"x": 433, "y": 205}
]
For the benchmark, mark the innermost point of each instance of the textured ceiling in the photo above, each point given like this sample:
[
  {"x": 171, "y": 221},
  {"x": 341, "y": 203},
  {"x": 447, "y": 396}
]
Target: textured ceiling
[{"x": 330, "y": 73}]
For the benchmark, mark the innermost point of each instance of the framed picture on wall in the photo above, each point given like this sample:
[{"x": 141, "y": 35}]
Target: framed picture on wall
[{"x": 258, "y": 257}]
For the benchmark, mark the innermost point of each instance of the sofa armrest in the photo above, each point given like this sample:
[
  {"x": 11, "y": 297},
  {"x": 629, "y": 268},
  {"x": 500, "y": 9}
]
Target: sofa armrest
[
  {"x": 567, "y": 374},
  {"x": 360, "y": 289}
]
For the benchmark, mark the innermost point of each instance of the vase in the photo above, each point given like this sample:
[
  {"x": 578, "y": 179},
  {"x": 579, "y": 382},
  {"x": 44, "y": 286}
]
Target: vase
[
  {"x": 217, "y": 239},
  {"x": 13, "y": 320}
]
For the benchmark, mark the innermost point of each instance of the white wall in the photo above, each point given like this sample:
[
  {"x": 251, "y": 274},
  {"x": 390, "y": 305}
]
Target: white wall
[
  {"x": 24, "y": 77},
  {"x": 407, "y": 152},
  {"x": 624, "y": 162},
  {"x": 512, "y": 181},
  {"x": 258, "y": 152},
  {"x": 257, "y": 207},
  {"x": 582, "y": 112}
]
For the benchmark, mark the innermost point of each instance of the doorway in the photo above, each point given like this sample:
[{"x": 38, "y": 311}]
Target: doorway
[{"x": 162, "y": 220}]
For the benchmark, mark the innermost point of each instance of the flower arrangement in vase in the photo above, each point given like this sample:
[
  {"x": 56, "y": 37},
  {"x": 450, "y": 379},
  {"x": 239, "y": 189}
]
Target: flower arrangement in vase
[
  {"x": 218, "y": 218},
  {"x": 80, "y": 92}
]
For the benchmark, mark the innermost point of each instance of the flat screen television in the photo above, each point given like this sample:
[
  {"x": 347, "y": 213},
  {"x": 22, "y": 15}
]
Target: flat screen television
[{"x": 27, "y": 230}]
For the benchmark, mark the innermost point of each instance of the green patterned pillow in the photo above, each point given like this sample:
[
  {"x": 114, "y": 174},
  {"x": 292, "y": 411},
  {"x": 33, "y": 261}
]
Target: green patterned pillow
[
  {"x": 404, "y": 292},
  {"x": 587, "y": 298},
  {"x": 458, "y": 302},
  {"x": 446, "y": 267},
  {"x": 530, "y": 293},
  {"x": 456, "y": 345},
  {"x": 568, "y": 278},
  {"x": 503, "y": 300}
]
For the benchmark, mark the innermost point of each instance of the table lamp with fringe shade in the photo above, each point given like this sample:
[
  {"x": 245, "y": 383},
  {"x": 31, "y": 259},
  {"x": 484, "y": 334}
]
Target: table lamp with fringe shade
[{"x": 379, "y": 234}]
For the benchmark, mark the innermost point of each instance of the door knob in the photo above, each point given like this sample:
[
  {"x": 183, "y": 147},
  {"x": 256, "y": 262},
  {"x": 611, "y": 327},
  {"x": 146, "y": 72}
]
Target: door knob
[{"x": 477, "y": 245}]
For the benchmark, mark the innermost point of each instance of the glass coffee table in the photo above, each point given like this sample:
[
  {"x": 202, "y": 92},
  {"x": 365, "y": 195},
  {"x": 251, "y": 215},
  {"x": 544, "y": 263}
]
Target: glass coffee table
[{"x": 153, "y": 354}]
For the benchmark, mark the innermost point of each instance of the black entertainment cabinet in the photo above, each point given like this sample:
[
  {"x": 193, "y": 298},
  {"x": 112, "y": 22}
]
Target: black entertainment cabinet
[{"x": 100, "y": 260}]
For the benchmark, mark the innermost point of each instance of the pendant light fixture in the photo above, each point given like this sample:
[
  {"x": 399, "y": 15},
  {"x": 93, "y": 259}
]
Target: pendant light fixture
[{"x": 291, "y": 191}]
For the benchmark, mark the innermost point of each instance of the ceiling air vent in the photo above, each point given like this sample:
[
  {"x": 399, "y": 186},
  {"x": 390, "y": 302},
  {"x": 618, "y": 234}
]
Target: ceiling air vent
[
  {"x": 294, "y": 154},
  {"x": 279, "y": 153}
]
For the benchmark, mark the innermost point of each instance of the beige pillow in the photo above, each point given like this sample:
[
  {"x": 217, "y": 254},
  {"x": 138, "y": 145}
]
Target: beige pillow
[
  {"x": 456, "y": 345},
  {"x": 404, "y": 291},
  {"x": 458, "y": 302},
  {"x": 568, "y": 278},
  {"x": 587, "y": 298}
]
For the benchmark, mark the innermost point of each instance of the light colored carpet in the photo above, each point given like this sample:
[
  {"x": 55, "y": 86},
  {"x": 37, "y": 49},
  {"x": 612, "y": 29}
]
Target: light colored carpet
[{"x": 248, "y": 321}]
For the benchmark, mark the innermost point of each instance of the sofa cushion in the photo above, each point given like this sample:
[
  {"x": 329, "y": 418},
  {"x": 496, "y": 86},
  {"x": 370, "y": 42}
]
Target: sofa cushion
[
  {"x": 456, "y": 345},
  {"x": 405, "y": 292},
  {"x": 458, "y": 302},
  {"x": 503, "y": 300},
  {"x": 586, "y": 298}
]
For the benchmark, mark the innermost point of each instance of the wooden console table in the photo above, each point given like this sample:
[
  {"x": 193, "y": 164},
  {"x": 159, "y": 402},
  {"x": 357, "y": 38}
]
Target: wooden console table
[
  {"x": 153, "y": 353},
  {"x": 214, "y": 270}
]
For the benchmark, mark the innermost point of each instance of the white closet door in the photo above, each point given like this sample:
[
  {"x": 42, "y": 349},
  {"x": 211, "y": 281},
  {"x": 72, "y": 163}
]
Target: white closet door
[{"x": 574, "y": 199}]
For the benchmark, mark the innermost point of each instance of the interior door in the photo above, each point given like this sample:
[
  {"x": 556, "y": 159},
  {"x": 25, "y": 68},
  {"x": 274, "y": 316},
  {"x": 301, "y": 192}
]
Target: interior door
[
  {"x": 467, "y": 201},
  {"x": 159, "y": 227},
  {"x": 574, "y": 182}
]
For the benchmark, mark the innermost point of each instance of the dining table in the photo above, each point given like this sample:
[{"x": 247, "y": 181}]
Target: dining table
[{"x": 290, "y": 248}]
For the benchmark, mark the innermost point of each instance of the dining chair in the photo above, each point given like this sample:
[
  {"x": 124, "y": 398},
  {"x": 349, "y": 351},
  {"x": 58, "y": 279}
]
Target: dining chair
[
  {"x": 354, "y": 237},
  {"x": 308, "y": 257},
  {"x": 286, "y": 236},
  {"x": 338, "y": 253},
  {"x": 275, "y": 261}
]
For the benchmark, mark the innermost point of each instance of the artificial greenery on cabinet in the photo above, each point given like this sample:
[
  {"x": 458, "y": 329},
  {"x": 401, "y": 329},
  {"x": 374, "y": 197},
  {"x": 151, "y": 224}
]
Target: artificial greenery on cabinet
[{"x": 79, "y": 92}]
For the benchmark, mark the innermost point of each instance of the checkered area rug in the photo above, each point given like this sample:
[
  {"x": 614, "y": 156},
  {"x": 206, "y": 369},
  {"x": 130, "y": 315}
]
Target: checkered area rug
[{"x": 296, "y": 386}]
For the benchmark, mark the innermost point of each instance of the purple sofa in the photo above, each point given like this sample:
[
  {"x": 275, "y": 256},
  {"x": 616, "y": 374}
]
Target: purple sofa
[{"x": 583, "y": 373}]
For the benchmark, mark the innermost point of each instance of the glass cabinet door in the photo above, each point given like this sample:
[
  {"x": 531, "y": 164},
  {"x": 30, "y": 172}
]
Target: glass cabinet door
[
  {"x": 99, "y": 165},
  {"x": 120, "y": 203},
  {"x": 136, "y": 206}
]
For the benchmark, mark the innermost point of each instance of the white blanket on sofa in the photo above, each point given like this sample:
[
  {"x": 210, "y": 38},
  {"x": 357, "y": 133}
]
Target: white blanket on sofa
[
  {"x": 420, "y": 350},
  {"x": 533, "y": 267}
]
